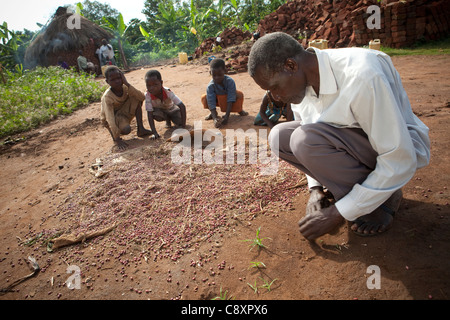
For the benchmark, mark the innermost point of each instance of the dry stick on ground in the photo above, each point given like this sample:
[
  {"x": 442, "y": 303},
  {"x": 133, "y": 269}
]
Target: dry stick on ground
[
  {"x": 35, "y": 268},
  {"x": 66, "y": 240}
]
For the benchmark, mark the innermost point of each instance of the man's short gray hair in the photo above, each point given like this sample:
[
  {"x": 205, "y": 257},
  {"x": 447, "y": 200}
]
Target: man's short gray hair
[{"x": 271, "y": 51}]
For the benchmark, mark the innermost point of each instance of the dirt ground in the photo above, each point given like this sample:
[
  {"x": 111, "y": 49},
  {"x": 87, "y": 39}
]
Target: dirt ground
[{"x": 41, "y": 172}]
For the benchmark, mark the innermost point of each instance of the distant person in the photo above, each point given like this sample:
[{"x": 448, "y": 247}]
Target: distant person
[
  {"x": 120, "y": 104},
  {"x": 84, "y": 64},
  {"x": 101, "y": 58},
  {"x": 354, "y": 133},
  {"x": 62, "y": 63},
  {"x": 271, "y": 111},
  {"x": 108, "y": 52},
  {"x": 221, "y": 92},
  {"x": 162, "y": 104}
]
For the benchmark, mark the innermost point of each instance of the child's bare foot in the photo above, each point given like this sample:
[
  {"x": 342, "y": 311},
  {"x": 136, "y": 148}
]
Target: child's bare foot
[
  {"x": 144, "y": 132},
  {"x": 243, "y": 113},
  {"x": 225, "y": 120},
  {"x": 209, "y": 117}
]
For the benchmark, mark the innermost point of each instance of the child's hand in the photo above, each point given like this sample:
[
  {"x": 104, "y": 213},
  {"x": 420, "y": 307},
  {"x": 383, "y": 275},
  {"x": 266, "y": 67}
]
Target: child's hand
[{"x": 124, "y": 80}]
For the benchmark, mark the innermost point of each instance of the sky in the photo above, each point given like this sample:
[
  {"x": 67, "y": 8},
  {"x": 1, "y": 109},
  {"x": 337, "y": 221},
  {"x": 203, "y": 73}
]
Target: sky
[{"x": 24, "y": 14}]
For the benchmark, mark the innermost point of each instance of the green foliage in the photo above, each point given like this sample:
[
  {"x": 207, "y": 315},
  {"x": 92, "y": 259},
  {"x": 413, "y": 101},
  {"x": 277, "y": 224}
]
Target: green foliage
[
  {"x": 8, "y": 47},
  {"x": 35, "y": 97},
  {"x": 95, "y": 11}
]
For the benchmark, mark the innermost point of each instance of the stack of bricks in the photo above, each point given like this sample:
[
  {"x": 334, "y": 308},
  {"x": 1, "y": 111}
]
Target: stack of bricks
[
  {"x": 345, "y": 23},
  {"x": 229, "y": 37}
]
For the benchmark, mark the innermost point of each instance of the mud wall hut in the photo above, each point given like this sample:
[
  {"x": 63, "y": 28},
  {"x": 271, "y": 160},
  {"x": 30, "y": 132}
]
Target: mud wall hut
[{"x": 58, "y": 40}]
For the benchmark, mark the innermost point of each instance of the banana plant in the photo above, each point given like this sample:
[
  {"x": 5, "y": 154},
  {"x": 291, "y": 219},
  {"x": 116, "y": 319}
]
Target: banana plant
[
  {"x": 235, "y": 5},
  {"x": 8, "y": 47},
  {"x": 220, "y": 11},
  {"x": 168, "y": 20},
  {"x": 119, "y": 30},
  {"x": 151, "y": 39}
]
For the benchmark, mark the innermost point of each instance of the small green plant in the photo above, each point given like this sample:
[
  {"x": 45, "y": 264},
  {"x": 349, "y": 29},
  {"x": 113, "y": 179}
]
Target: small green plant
[
  {"x": 222, "y": 295},
  {"x": 257, "y": 241},
  {"x": 266, "y": 284},
  {"x": 257, "y": 264},
  {"x": 254, "y": 287}
]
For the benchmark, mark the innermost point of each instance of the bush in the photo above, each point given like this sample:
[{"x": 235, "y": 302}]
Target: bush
[{"x": 42, "y": 94}]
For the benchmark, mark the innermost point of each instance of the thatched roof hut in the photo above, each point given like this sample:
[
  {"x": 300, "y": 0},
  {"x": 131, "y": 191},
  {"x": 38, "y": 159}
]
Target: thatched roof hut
[{"x": 58, "y": 40}]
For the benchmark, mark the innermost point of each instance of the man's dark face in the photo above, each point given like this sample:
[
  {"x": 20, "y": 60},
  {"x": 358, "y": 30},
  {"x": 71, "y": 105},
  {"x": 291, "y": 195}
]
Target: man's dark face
[{"x": 286, "y": 86}]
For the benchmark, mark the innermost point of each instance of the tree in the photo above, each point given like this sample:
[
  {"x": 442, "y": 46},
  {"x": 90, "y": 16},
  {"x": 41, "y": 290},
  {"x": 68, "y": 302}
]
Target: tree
[
  {"x": 151, "y": 8},
  {"x": 95, "y": 11}
]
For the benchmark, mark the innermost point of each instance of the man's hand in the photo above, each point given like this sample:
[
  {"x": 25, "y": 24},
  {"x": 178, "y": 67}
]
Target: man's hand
[{"x": 319, "y": 222}]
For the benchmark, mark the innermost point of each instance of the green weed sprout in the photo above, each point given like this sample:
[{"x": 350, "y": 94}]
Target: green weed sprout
[
  {"x": 257, "y": 241},
  {"x": 254, "y": 287},
  {"x": 266, "y": 284},
  {"x": 222, "y": 295},
  {"x": 257, "y": 264}
]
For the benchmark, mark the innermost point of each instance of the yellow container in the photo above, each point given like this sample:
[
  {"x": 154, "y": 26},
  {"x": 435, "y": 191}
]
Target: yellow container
[
  {"x": 319, "y": 43},
  {"x": 375, "y": 44},
  {"x": 182, "y": 56}
]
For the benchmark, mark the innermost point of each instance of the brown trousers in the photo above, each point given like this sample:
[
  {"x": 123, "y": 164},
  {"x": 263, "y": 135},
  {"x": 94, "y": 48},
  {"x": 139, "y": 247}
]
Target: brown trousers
[
  {"x": 338, "y": 158},
  {"x": 222, "y": 102}
]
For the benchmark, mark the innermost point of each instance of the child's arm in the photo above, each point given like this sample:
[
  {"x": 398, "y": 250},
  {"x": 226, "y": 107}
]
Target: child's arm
[
  {"x": 262, "y": 111},
  {"x": 151, "y": 122},
  {"x": 231, "y": 98},
  {"x": 289, "y": 113},
  {"x": 183, "y": 113}
]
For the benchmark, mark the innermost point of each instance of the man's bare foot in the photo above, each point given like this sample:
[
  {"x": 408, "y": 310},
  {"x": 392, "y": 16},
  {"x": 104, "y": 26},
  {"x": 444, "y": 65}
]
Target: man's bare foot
[
  {"x": 379, "y": 220},
  {"x": 144, "y": 132}
]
